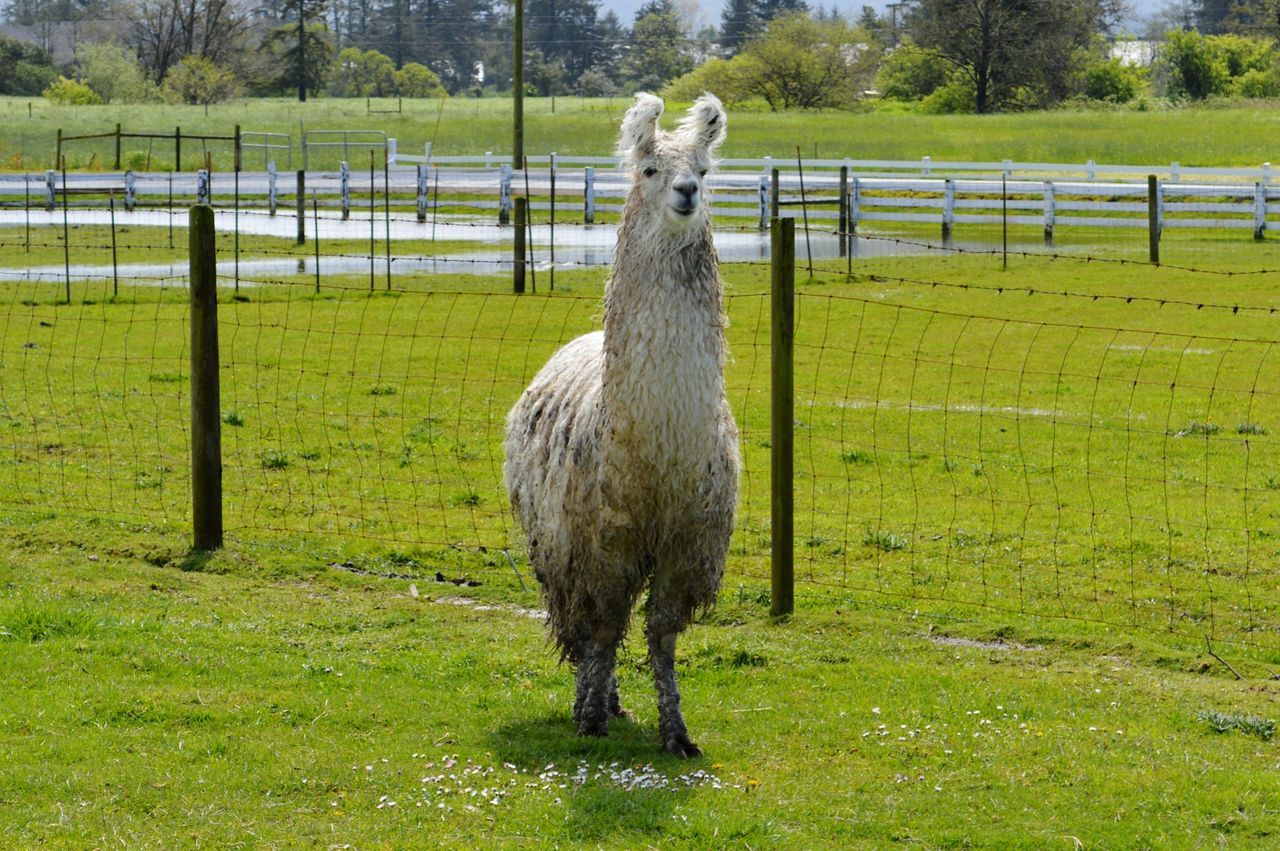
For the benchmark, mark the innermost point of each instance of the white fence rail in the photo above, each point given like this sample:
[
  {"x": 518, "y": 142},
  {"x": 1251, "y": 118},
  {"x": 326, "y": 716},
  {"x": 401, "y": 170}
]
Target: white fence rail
[{"x": 835, "y": 193}]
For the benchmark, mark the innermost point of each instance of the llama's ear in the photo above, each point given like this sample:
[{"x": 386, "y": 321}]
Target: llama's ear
[
  {"x": 704, "y": 123},
  {"x": 639, "y": 129}
]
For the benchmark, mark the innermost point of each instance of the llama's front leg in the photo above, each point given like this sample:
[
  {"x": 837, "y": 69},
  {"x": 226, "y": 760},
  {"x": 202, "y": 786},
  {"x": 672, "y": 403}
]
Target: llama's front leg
[
  {"x": 596, "y": 689},
  {"x": 662, "y": 658}
]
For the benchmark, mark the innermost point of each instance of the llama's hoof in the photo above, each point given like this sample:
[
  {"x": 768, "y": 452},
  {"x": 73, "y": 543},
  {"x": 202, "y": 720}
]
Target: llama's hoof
[
  {"x": 619, "y": 712},
  {"x": 679, "y": 745}
]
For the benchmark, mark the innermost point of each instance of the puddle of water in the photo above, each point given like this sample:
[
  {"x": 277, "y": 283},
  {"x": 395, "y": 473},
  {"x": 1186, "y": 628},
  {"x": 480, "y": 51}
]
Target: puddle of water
[{"x": 575, "y": 246}]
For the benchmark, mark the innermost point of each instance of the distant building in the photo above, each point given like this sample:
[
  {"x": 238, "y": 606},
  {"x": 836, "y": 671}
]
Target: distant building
[{"x": 1136, "y": 53}]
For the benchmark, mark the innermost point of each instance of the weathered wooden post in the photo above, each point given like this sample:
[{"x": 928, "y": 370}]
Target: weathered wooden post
[
  {"x": 202, "y": 186},
  {"x": 206, "y": 424},
  {"x": 844, "y": 202},
  {"x": 50, "y": 190},
  {"x": 517, "y": 268},
  {"x": 273, "y": 200},
  {"x": 1153, "y": 217},
  {"x": 855, "y": 205},
  {"x": 1050, "y": 212},
  {"x": 775, "y": 191},
  {"x": 948, "y": 207},
  {"x": 422, "y": 192},
  {"x": 588, "y": 195},
  {"x": 765, "y": 203},
  {"x": 504, "y": 195},
  {"x": 116, "y": 167},
  {"x": 782, "y": 321},
  {"x": 1259, "y": 210},
  {"x": 301, "y": 201},
  {"x": 344, "y": 189},
  {"x": 130, "y": 191}
]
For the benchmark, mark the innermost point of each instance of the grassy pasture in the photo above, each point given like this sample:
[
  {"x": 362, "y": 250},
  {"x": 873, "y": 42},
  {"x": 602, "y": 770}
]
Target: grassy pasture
[
  {"x": 1235, "y": 136},
  {"x": 1017, "y": 516}
]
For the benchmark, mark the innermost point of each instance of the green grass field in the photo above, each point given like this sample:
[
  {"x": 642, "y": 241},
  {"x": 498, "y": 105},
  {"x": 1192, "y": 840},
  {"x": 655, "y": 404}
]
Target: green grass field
[
  {"x": 1237, "y": 136},
  {"x": 1024, "y": 498}
]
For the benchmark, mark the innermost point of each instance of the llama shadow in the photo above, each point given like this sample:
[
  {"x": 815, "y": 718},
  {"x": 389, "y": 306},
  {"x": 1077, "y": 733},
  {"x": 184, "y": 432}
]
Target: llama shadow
[{"x": 599, "y": 807}]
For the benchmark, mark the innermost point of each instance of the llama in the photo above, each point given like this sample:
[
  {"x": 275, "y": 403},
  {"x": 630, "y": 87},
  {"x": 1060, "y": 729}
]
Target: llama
[{"x": 622, "y": 454}]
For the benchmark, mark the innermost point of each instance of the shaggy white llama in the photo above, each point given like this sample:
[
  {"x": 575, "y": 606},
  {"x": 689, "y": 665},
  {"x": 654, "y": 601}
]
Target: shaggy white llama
[{"x": 622, "y": 455}]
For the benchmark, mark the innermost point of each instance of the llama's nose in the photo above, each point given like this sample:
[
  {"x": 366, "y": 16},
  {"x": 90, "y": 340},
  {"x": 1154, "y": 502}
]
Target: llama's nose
[{"x": 687, "y": 187}]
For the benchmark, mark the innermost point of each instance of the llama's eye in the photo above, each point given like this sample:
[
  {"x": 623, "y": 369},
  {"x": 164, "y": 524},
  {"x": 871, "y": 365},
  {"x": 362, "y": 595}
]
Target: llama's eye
[
  {"x": 702, "y": 173},
  {"x": 650, "y": 171}
]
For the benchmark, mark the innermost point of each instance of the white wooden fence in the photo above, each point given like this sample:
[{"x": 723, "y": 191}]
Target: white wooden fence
[{"x": 946, "y": 194}]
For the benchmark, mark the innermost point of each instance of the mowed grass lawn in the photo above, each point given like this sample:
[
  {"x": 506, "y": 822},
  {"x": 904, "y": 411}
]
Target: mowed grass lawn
[
  {"x": 1018, "y": 515},
  {"x": 1236, "y": 136}
]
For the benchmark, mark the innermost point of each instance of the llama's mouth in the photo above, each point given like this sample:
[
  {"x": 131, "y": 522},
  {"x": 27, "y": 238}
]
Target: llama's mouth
[{"x": 684, "y": 211}]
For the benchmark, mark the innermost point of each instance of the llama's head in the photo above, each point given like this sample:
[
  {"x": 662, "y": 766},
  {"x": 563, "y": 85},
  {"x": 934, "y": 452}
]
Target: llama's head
[{"x": 669, "y": 169}]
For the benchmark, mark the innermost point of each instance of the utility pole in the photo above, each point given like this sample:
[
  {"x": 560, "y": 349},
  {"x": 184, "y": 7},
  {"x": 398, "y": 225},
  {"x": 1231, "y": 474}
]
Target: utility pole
[
  {"x": 893, "y": 19},
  {"x": 517, "y": 118}
]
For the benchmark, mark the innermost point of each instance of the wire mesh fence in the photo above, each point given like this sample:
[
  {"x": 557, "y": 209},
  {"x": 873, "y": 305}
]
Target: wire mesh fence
[{"x": 1064, "y": 447}]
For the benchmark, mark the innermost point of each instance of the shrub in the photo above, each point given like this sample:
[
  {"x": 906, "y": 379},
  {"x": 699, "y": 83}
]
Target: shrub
[
  {"x": 911, "y": 73},
  {"x": 722, "y": 77},
  {"x": 1113, "y": 81},
  {"x": 362, "y": 74},
  {"x": 957, "y": 96},
  {"x": 1256, "y": 83},
  {"x": 71, "y": 93},
  {"x": 418, "y": 81}
]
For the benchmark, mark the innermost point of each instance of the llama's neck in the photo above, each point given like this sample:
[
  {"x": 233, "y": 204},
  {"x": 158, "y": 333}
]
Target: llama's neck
[{"x": 664, "y": 348}]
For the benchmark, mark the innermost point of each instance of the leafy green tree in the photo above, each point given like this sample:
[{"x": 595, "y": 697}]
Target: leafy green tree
[
  {"x": 416, "y": 80},
  {"x": 725, "y": 77},
  {"x": 304, "y": 45},
  {"x": 800, "y": 63},
  {"x": 910, "y": 73},
  {"x": 362, "y": 73},
  {"x": 25, "y": 69},
  {"x": 1009, "y": 48},
  {"x": 114, "y": 73},
  {"x": 657, "y": 41},
  {"x": 739, "y": 23},
  {"x": 1196, "y": 67},
  {"x": 197, "y": 80}
]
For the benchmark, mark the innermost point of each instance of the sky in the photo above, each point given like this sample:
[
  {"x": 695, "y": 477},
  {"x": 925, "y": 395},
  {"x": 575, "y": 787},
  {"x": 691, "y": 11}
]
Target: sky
[{"x": 626, "y": 9}]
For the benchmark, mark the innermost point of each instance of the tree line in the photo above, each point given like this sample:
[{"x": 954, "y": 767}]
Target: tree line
[{"x": 931, "y": 55}]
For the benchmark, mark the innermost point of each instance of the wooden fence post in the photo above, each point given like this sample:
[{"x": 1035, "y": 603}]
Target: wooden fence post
[
  {"x": 855, "y": 205},
  {"x": 1050, "y": 212},
  {"x": 57, "y": 153},
  {"x": 344, "y": 189},
  {"x": 422, "y": 192},
  {"x": 206, "y": 423},
  {"x": 273, "y": 200},
  {"x": 765, "y": 203},
  {"x": 130, "y": 191},
  {"x": 1260, "y": 210},
  {"x": 844, "y": 201},
  {"x": 588, "y": 195},
  {"x": 517, "y": 268},
  {"x": 948, "y": 207},
  {"x": 302, "y": 206},
  {"x": 1153, "y": 217},
  {"x": 117, "y": 160},
  {"x": 177, "y": 149},
  {"x": 775, "y": 191},
  {"x": 504, "y": 195},
  {"x": 50, "y": 190},
  {"x": 782, "y": 321}
]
